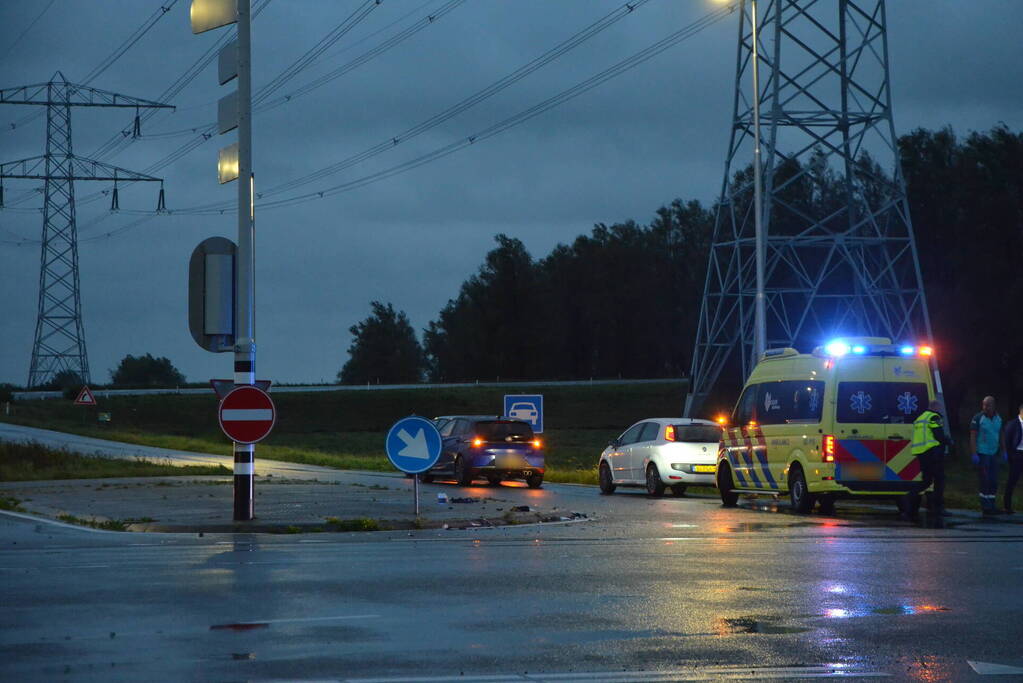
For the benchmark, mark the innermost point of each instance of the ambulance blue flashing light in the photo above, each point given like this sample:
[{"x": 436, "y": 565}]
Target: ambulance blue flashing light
[
  {"x": 859, "y": 348},
  {"x": 907, "y": 350},
  {"x": 837, "y": 348}
]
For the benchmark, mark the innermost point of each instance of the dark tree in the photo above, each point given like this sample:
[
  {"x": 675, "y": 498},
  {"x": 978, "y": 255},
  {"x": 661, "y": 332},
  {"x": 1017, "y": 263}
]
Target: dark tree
[
  {"x": 384, "y": 350},
  {"x": 491, "y": 329},
  {"x": 146, "y": 371}
]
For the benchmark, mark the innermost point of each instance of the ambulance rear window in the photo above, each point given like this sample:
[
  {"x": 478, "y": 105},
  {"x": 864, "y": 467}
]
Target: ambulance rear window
[{"x": 880, "y": 402}]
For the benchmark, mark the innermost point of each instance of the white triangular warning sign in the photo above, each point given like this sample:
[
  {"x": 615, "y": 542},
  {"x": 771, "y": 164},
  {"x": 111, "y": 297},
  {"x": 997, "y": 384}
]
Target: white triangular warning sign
[{"x": 85, "y": 398}]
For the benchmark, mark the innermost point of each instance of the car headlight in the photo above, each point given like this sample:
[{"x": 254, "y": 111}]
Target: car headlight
[{"x": 678, "y": 466}]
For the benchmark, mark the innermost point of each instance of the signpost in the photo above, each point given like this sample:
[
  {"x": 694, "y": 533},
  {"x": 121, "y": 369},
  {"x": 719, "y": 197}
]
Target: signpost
[
  {"x": 234, "y": 111},
  {"x": 528, "y": 407},
  {"x": 247, "y": 414},
  {"x": 413, "y": 446}
]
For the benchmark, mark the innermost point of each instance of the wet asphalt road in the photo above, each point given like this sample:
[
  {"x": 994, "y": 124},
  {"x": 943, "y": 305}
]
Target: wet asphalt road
[
  {"x": 677, "y": 585},
  {"x": 668, "y": 589}
]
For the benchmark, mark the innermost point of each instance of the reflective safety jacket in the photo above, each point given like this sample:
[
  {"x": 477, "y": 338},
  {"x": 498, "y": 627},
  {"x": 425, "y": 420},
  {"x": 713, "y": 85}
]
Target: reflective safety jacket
[{"x": 928, "y": 432}]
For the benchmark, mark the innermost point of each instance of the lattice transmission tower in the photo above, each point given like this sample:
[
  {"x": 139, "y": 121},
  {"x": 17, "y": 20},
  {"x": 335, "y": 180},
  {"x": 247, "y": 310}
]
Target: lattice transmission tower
[
  {"x": 840, "y": 253},
  {"x": 60, "y": 336}
]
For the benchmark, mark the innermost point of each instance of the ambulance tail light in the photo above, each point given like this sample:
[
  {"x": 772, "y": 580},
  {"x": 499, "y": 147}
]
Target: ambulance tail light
[
  {"x": 669, "y": 433},
  {"x": 828, "y": 448}
]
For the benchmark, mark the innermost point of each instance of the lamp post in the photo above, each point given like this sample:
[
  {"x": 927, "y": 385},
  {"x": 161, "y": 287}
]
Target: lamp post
[{"x": 760, "y": 239}]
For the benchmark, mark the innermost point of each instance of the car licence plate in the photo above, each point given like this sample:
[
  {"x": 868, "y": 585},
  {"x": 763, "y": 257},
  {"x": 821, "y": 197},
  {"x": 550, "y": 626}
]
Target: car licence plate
[
  {"x": 857, "y": 471},
  {"x": 704, "y": 469}
]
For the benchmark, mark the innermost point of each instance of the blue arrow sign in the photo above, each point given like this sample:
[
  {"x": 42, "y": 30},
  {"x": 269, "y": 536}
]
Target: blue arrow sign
[{"x": 413, "y": 445}]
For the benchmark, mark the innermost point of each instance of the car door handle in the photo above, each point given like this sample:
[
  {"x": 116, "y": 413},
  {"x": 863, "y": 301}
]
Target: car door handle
[{"x": 896, "y": 437}]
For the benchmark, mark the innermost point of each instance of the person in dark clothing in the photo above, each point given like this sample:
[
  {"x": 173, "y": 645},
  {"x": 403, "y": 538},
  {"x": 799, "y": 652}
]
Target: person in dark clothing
[
  {"x": 1014, "y": 451},
  {"x": 930, "y": 443}
]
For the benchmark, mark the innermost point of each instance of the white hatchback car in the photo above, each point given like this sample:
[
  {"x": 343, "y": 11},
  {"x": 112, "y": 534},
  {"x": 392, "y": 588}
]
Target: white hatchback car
[{"x": 659, "y": 453}]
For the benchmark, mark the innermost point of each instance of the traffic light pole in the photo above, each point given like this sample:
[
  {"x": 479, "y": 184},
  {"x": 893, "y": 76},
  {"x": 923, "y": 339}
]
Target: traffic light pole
[{"x": 245, "y": 286}]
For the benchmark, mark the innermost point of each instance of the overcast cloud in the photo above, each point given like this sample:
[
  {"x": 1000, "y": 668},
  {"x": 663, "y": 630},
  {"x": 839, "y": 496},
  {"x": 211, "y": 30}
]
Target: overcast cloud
[{"x": 618, "y": 152}]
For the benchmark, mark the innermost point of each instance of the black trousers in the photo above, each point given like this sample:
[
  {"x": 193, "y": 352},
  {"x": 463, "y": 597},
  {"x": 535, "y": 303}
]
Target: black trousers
[
  {"x": 932, "y": 465},
  {"x": 1015, "y": 471}
]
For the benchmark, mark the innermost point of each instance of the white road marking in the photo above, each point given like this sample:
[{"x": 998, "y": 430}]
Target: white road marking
[
  {"x": 992, "y": 669},
  {"x": 247, "y": 415},
  {"x": 343, "y": 617},
  {"x": 695, "y": 674}
]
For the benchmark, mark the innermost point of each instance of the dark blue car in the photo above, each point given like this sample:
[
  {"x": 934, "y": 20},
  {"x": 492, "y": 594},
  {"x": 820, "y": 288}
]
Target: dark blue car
[{"x": 488, "y": 446}]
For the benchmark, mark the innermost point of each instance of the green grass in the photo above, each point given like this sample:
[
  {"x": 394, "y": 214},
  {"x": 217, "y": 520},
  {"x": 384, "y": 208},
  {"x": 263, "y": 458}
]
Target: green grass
[
  {"x": 31, "y": 462},
  {"x": 10, "y": 503},
  {"x": 358, "y": 524},
  {"x": 346, "y": 429},
  {"x": 106, "y": 525}
]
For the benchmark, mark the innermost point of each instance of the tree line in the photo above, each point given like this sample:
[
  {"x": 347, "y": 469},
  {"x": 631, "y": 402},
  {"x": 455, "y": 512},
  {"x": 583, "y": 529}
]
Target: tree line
[{"x": 623, "y": 301}]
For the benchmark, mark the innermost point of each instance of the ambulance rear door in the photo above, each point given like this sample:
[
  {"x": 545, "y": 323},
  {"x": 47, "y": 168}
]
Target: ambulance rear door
[
  {"x": 860, "y": 422},
  {"x": 908, "y": 381}
]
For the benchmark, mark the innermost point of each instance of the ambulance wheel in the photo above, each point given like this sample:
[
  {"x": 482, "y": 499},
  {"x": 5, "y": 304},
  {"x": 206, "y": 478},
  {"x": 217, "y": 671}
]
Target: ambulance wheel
[
  {"x": 799, "y": 494},
  {"x": 607, "y": 484},
  {"x": 827, "y": 505},
  {"x": 679, "y": 490},
  {"x": 494, "y": 479},
  {"x": 654, "y": 485},
  {"x": 463, "y": 473},
  {"x": 729, "y": 498},
  {"x": 535, "y": 481}
]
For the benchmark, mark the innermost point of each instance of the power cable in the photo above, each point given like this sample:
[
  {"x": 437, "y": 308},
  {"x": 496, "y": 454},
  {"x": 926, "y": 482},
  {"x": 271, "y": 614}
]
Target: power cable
[
  {"x": 489, "y": 91},
  {"x": 110, "y": 59},
  {"x": 564, "y": 96}
]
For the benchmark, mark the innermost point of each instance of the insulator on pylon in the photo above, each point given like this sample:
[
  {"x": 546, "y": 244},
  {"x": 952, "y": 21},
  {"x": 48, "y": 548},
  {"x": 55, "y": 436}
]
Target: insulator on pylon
[
  {"x": 137, "y": 130},
  {"x": 113, "y": 200},
  {"x": 161, "y": 204}
]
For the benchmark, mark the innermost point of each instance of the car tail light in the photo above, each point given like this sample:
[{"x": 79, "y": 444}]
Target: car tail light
[
  {"x": 828, "y": 448},
  {"x": 477, "y": 442},
  {"x": 537, "y": 443},
  {"x": 669, "y": 433}
]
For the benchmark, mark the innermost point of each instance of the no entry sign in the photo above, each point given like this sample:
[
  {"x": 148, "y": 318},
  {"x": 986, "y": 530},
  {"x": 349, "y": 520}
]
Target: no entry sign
[{"x": 247, "y": 414}]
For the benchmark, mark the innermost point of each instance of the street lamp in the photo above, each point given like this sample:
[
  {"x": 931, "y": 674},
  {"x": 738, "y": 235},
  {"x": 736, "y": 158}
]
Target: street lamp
[
  {"x": 759, "y": 238},
  {"x": 760, "y": 313}
]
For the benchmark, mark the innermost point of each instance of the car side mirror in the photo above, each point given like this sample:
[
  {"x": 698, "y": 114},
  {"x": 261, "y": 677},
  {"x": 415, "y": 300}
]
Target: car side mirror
[{"x": 614, "y": 443}]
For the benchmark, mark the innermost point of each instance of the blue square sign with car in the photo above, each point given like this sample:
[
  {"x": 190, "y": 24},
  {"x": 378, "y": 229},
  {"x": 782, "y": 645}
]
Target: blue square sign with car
[{"x": 525, "y": 407}]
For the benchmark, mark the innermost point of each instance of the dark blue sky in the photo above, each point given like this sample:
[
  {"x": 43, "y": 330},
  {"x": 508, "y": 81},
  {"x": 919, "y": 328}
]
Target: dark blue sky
[{"x": 618, "y": 152}]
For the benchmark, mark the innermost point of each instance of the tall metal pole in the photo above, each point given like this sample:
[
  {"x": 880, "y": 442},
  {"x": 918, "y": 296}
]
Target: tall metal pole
[
  {"x": 245, "y": 344},
  {"x": 760, "y": 313}
]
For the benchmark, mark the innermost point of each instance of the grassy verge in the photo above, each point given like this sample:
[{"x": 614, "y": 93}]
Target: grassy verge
[
  {"x": 106, "y": 524},
  {"x": 31, "y": 462},
  {"x": 346, "y": 429}
]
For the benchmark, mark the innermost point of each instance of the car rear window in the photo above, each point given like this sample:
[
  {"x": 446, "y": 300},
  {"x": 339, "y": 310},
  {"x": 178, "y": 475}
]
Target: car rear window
[
  {"x": 499, "y": 430},
  {"x": 698, "y": 433},
  {"x": 880, "y": 402}
]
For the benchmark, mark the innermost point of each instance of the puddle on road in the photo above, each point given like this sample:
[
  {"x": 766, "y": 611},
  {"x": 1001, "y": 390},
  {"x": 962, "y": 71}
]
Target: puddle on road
[{"x": 765, "y": 625}]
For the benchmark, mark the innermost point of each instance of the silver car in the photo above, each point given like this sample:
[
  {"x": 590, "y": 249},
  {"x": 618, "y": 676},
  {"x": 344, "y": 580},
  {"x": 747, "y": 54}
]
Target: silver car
[{"x": 659, "y": 453}]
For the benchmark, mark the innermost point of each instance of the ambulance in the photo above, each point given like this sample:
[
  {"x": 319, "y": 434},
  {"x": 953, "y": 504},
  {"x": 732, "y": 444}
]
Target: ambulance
[{"x": 837, "y": 422}]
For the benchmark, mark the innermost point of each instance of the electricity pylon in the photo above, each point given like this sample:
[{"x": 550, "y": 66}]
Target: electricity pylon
[
  {"x": 60, "y": 336},
  {"x": 840, "y": 253}
]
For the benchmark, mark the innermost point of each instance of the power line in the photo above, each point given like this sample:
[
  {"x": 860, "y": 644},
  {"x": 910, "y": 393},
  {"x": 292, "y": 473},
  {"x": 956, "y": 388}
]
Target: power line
[
  {"x": 489, "y": 91},
  {"x": 27, "y": 29},
  {"x": 521, "y": 117},
  {"x": 109, "y": 60}
]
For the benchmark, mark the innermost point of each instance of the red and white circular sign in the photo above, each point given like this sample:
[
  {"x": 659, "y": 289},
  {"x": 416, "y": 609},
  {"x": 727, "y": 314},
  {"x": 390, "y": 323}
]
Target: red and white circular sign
[{"x": 247, "y": 414}]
